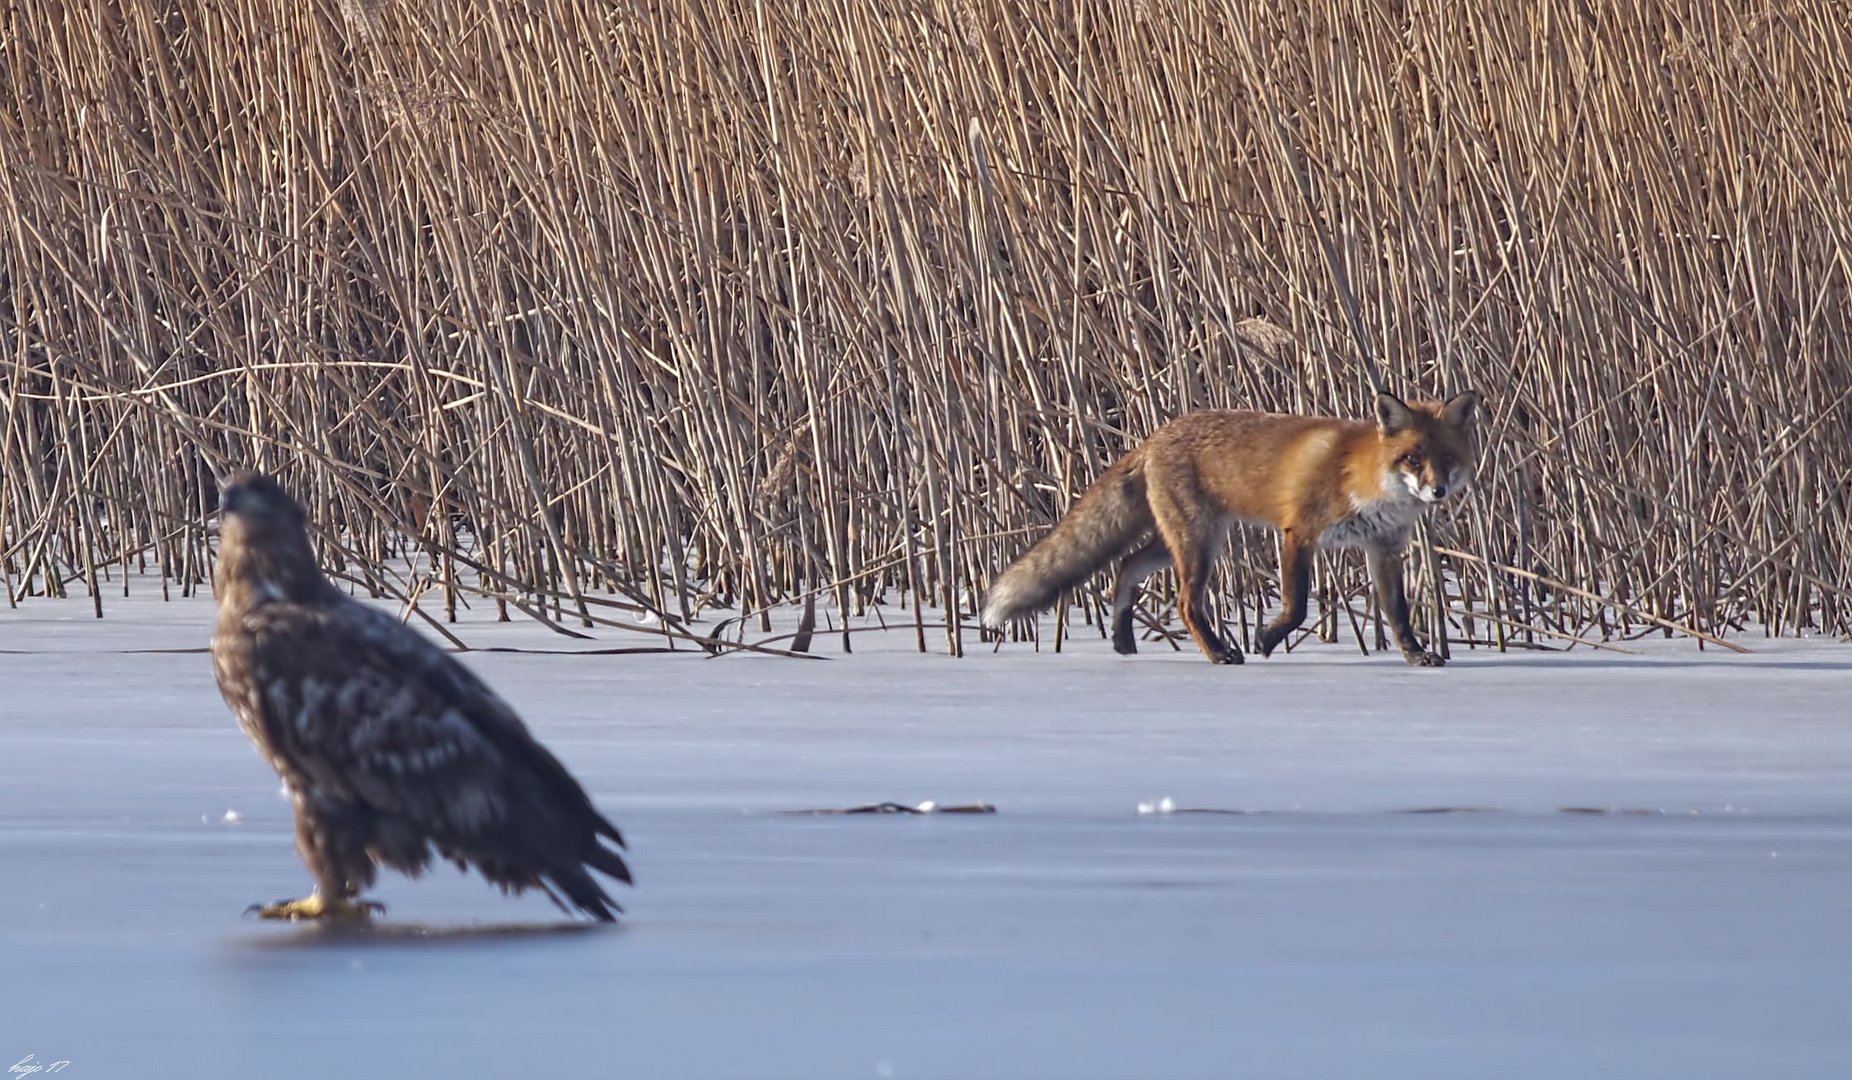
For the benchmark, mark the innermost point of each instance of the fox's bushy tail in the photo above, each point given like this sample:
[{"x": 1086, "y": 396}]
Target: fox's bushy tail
[{"x": 1108, "y": 520}]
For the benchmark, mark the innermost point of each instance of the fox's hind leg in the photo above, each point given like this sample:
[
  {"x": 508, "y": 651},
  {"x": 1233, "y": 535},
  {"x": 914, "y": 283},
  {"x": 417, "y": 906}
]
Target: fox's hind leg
[
  {"x": 1194, "y": 533},
  {"x": 1193, "y": 576},
  {"x": 1133, "y": 570}
]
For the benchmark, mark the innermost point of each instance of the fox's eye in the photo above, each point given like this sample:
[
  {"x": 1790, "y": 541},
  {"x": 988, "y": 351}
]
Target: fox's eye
[{"x": 1413, "y": 461}]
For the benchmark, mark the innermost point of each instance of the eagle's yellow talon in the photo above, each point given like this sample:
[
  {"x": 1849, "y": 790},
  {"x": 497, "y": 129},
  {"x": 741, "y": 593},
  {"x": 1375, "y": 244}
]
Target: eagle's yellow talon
[{"x": 316, "y": 907}]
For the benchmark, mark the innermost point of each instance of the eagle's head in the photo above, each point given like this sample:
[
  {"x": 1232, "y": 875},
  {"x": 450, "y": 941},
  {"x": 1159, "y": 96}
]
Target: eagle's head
[
  {"x": 264, "y": 551},
  {"x": 259, "y": 504}
]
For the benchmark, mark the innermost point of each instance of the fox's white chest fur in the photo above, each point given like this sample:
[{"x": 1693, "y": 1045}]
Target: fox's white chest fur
[{"x": 1384, "y": 519}]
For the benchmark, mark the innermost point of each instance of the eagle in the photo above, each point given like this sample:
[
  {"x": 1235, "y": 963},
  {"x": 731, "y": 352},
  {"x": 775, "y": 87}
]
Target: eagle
[{"x": 390, "y": 749}]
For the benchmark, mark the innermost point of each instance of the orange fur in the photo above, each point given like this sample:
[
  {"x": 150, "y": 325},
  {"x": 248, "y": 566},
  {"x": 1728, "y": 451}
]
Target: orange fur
[{"x": 1321, "y": 482}]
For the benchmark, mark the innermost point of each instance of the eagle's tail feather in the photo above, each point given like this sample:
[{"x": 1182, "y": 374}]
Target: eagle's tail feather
[
  {"x": 585, "y": 892},
  {"x": 603, "y": 827},
  {"x": 609, "y": 862}
]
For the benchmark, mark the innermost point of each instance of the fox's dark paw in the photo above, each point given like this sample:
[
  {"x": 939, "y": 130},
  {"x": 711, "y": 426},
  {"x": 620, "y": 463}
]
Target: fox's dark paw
[
  {"x": 1230, "y": 655},
  {"x": 1425, "y": 659},
  {"x": 1124, "y": 646}
]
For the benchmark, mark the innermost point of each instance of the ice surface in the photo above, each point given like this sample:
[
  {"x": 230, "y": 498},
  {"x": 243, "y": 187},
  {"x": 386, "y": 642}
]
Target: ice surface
[{"x": 1324, "y": 934}]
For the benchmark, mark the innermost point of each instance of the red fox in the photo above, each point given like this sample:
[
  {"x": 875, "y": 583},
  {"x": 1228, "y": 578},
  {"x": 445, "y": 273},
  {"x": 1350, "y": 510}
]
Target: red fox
[{"x": 1321, "y": 482}]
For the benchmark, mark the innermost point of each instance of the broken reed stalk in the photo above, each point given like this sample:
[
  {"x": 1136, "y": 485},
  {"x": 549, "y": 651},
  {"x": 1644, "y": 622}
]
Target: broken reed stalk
[{"x": 724, "y": 306}]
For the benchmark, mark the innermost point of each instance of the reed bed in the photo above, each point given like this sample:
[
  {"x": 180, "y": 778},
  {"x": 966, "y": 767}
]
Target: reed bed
[{"x": 633, "y": 313}]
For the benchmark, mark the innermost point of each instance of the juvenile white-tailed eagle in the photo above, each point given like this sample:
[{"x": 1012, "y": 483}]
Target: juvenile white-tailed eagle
[{"x": 390, "y": 748}]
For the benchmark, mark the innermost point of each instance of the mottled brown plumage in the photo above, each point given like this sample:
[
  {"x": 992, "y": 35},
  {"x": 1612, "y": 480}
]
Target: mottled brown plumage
[{"x": 391, "y": 750}]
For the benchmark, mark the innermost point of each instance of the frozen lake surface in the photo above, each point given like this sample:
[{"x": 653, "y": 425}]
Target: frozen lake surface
[{"x": 1327, "y": 933}]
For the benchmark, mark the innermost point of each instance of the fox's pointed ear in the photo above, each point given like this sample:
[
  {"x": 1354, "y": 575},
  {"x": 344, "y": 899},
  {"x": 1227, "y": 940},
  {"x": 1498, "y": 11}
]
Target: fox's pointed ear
[
  {"x": 1392, "y": 414},
  {"x": 1462, "y": 409}
]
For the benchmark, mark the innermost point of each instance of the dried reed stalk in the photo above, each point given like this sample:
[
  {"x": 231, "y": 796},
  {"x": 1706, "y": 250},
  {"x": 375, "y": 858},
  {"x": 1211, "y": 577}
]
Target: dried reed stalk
[{"x": 599, "y": 309}]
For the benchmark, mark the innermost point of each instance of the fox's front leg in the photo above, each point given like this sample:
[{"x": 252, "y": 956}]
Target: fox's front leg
[
  {"x": 1386, "y": 570},
  {"x": 1295, "y": 589}
]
